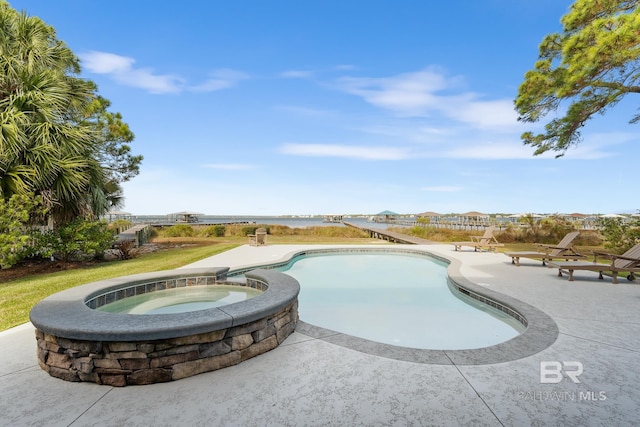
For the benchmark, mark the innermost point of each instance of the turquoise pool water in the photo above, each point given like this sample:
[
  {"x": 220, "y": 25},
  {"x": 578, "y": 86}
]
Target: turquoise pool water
[
  {"x": 180, "y": 300},
  {"x": 397, "y": 299}
]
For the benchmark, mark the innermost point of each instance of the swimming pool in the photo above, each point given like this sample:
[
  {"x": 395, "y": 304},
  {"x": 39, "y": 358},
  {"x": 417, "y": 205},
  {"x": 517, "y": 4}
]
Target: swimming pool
[{"x": 400, "y": 299}]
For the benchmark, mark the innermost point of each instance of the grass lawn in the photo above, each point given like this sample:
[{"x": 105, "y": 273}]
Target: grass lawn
[{"x": 18, "y": 296}]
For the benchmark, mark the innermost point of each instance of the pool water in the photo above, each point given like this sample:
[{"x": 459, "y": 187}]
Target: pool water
[
  {"x": 180, "y": 300},
  {"x": 397, "y": 299}
]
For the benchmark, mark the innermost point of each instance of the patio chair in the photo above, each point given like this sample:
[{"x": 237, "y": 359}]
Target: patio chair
[
  {"x": 628, "y": 262},
  {"x": 486, "y": 241},
  {"x": 563, "y": 250},
  {"x": 259, "y": 238}
]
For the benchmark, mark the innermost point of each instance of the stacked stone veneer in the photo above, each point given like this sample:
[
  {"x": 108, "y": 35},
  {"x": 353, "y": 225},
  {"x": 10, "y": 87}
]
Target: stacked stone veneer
[{"x": 146, "y": 362}]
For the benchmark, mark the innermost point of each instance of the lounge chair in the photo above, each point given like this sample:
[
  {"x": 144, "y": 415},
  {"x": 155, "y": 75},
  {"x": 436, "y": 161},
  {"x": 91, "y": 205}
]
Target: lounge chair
[
  {"x": 563, "y": 250},
  {"x": 486, "y": 241},
  {"x": 627, "y": 262},
  {"x": 259, "y": 238}
]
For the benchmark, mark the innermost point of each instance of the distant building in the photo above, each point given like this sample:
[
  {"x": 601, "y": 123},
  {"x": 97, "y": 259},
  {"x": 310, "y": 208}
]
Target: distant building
[
  {"x": 185, "y": 217},
  {"x": 384, "y": 216},
  {"x": 332, "y": 218}
]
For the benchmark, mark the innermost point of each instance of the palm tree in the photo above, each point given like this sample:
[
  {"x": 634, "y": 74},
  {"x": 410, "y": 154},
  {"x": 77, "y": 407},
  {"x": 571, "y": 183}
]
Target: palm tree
[{"x": 46, "y": 145}]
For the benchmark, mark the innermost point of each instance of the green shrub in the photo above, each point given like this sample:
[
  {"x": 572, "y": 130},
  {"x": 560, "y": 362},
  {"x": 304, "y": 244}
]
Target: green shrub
[
  {"x": 510, "y": 234},
  {"x": 76, "y": 240},
  {"x": 180, "y": 230},
  {"x": 15, "y": 239},
  {"x": 589, "y": 238},
  {"x": 548, "y": 230},
  {"x": 126, "y": 249},
  {"x": 251, "y": 229},
  {"x": 423, "y": 220},
  {"x": 217, "y": 230},
  {"x": 620, "y": 235},
  {"x": 555, "y": 228}
]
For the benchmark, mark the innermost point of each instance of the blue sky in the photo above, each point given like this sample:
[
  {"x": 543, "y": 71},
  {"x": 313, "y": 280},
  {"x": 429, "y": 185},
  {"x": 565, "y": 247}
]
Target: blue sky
[{"x": 317, "y": 107}]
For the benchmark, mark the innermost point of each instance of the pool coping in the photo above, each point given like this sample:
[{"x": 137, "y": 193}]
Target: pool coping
[
  {"x": 541, "y": 331},
  {"x": 66, "y": 314}
]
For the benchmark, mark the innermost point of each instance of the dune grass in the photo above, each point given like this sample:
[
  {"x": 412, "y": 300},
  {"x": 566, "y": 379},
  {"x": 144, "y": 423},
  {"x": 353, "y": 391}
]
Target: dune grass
[{"x": 17, "y": 297}]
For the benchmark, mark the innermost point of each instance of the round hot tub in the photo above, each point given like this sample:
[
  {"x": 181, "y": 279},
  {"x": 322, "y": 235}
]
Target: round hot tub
[
  {"x": 182, "y": 299},
  {"x": 80, "y": 340}
]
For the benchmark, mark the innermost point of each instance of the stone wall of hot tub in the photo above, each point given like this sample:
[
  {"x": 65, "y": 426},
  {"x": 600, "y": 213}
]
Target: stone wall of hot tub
[
  {"x": 146, "y": 362},
  {"x": 78, "y": 343}
]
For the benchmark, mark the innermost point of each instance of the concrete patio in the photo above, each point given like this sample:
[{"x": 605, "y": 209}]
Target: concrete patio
[{"x": 311, "y": 381}]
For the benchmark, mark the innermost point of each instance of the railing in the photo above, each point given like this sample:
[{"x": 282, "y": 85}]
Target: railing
[{"x": 140, "y": 234}]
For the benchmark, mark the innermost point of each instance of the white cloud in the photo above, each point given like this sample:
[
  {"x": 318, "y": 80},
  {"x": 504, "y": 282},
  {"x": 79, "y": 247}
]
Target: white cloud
[
  {"x": 346, "y": 151},
  {"x": 106, "y": 63},
  {"x": 220, "y": 79},
  {"x": 598, "y": 145},
  {"x": 442, "y": 188},
  {"x": 595, "y": 146},
  {"x": 489, "y": 150},
  {"x": 431, "y": 92},
  {"x": 297, "y": 74},
  {"x": 498, "y": 114},
  {"x": 121, "y": 69},
  {"x": 228, "y": 166},
  {"x": 408, "y": 131},
  {"x": 408, "y": 94}
]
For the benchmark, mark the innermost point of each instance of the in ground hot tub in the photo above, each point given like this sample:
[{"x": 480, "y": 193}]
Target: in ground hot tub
[{"x": 78, "y": 341}]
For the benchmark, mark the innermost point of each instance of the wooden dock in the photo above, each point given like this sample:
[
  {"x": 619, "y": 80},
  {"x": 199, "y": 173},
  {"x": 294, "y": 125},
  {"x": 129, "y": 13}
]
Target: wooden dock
[
  {"x": 165, "y": 223},
  {"x": 139, "y": 234},
  {"x": 390, "y": 236}
]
